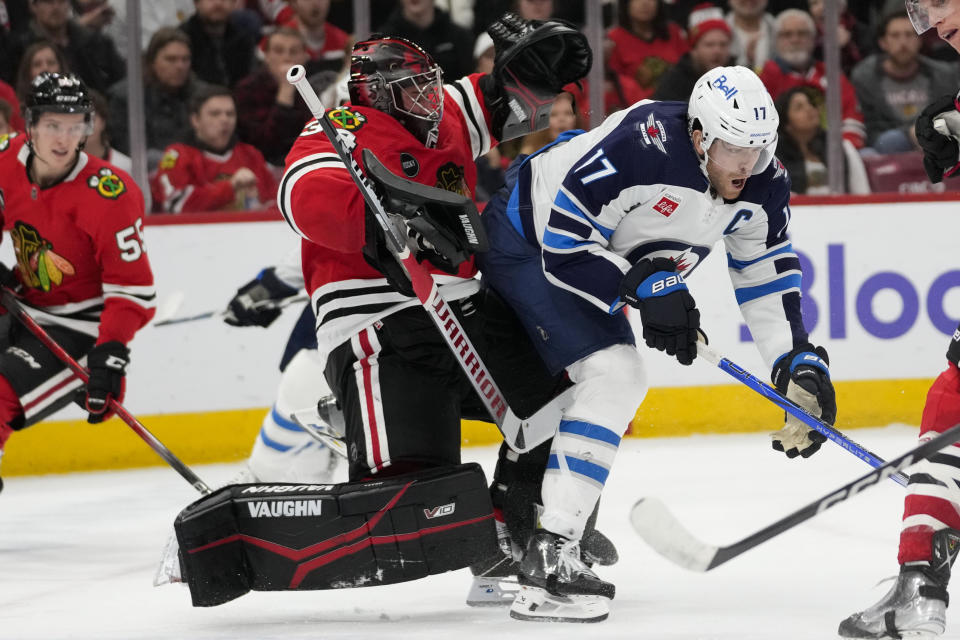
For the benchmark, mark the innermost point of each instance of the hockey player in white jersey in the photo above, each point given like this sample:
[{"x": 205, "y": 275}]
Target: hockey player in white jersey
[
  {"x": 283, "y": 451},
  {"x": 621, "y": 216}
]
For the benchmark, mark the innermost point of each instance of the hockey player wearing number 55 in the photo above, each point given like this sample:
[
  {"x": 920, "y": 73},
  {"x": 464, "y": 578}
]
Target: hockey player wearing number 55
[
  {"x": 916, "y": 604},
  {"x": 619, "y": 216},
  {"x": 81, "y": 268}
]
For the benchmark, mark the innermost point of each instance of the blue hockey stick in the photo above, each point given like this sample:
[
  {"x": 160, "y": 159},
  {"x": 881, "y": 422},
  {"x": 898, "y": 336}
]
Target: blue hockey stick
[{"x": 795, "y": 410}]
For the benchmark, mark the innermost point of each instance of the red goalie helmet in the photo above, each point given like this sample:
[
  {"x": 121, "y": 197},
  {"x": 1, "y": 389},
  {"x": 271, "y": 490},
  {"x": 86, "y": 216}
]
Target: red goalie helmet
[{"x": 397, "y": 77}]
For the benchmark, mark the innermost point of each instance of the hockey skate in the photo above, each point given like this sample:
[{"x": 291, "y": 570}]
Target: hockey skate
[
  {"x": 915, "y": 607},
  {"x": 557, "y": 586}
]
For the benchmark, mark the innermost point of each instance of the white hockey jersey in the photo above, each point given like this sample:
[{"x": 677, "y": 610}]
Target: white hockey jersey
[{"x": 598, "y": 202}]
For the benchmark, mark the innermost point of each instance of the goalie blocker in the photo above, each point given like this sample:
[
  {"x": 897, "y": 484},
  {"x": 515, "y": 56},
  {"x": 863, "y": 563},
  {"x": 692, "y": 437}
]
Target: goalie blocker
[{"x": 279, "y": 537}]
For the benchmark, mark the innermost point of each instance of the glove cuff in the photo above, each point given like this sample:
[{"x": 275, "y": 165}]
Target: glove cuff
[
  {"x": 801, "y": 355},
  {"x": 278, "y": 288},
  {"x": 953, "y": 351}
]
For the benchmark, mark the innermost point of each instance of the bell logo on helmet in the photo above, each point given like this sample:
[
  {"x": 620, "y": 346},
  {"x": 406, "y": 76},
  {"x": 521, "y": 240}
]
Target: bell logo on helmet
[{"x": 721, "y": 84}]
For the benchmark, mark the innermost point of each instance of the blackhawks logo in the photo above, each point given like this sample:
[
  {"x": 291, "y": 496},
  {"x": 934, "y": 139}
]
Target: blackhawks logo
[
  {"x": 40, "y": 267},
  {"x": 5, "y": 140},
  {"x": 107, "y": 183},
  {"x": 169, "y": 159},
  {"x": 450, "y": 177},
  {"x": 346, "y": 119}
]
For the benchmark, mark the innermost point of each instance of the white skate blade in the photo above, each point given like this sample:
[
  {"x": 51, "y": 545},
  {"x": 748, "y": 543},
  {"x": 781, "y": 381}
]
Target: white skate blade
[
  {"x": 536, "y": 605},
  {"x": 169, "y": 570},
  {"x": 492, "y": 592}
]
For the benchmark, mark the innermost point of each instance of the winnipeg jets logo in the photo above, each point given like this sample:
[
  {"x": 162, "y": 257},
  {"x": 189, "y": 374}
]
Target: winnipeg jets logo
[{"x": 653, "y": 133}]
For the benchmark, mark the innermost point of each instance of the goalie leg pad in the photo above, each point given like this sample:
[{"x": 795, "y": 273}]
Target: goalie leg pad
[{"x": 276, "y": 537}]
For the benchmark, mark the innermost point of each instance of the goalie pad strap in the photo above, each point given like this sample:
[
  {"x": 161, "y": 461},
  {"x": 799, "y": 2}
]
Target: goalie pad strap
[{"x": 276, "y": 537}]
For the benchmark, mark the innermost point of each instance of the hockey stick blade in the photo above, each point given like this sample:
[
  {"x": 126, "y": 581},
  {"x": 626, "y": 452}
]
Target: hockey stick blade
[{"x": 660, "y": 529}]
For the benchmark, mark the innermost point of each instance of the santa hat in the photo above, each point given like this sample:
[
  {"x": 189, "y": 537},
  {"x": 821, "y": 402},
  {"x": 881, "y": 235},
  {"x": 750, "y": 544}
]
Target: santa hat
[{"x": 703, "y": 18}]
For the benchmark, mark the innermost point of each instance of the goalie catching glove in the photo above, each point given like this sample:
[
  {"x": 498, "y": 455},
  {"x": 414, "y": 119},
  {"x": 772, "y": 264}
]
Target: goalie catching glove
[
  {"x": 803, "y": 376},
  {"x": 534, "y": 60}
]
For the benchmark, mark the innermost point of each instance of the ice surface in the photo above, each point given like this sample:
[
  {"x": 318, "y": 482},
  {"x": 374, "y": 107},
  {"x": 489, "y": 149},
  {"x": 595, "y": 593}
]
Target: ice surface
[{"x": 78, "y": 552}]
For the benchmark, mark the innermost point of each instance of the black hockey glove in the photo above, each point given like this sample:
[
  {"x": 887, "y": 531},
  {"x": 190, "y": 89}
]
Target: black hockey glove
[
  {"x": 255, "y": 303},
  {"x": 803, "y": 375},
  {"x": 7, "y": 278},
  {"x": 941, "y": 154},
  {"x": 534, "y": 61},
  {"x": 378, "y": 255},
  {"x": 107, "y": 363},
  {"x": 669, "y": 315},
  {"x": 953, "y": 351}
]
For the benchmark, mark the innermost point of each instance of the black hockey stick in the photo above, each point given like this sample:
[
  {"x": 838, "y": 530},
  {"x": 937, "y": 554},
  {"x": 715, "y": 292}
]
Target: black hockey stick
[
  {"x": 13, "y": 305},
  {"x": 520, "y": 435},
  {"x": 662, "y": 531},
  {"x": 263, "y": 304}
]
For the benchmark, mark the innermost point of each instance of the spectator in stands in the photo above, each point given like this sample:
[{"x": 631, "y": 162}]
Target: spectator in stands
[
  {"x": 91, "y": 55},
  {"x": 213, "y": 171},
  {"x": 6, "y": 113},
  {"x": 168, "y": 86},
  {"x": 93, "y": 14},
  {"x": 895, "y": 85},
  {"x": 39, "y": 57},
  {"x": 98, "y": 142},
  {"x": 752, "y": 28},
  {"x": 222, "y": 52},
  {"x": 802, "y": 146},
  {"x": 848, "y": 35},
  {"x": 9, "y": 96},
  {"x": 449, "y": 44},
  {"x": 794, "y": 66},
  {"x": 327, "y": 45},
  {"x": 270, "y": 113},
  {"x": 645, "y": 45},
  {"x": 153, "y": 16},
  {"x": 709, "y": 36}
]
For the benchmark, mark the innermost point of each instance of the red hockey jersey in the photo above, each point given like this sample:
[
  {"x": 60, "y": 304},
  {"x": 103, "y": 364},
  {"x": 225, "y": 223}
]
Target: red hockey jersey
[
  {"x": 191, "y": 179},
  {"x": 79, "y": 245},
  {"x": 321, "y": 203}
]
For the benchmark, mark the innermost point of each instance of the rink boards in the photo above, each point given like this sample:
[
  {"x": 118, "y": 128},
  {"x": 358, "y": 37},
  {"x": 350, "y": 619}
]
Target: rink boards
[{"x": 882, "y": 294}]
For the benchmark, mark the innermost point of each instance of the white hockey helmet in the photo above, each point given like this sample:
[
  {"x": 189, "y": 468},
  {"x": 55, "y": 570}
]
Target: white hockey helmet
[{"x": 731, "y": 104}]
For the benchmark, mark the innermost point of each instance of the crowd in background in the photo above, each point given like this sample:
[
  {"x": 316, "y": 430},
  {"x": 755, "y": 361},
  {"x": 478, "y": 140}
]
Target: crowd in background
[{"x": 220, "y": 116}]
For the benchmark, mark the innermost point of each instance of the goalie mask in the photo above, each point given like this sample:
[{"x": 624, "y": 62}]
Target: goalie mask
[{"x": 397, "y": 77}]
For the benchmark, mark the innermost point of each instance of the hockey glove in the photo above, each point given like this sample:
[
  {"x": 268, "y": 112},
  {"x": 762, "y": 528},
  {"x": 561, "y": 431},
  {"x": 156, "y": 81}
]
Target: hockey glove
[
  {"x": 941, "y": 154},
  {"x": 953, "y": 351},
  {"x": 107, "y": 363},
  {"x": 255, "y": 303},
  {"x": 7, "y": 278},
  {"x": 803, "y": 375},
  {"x": 378, "y": 255},
  {"x": 534, "y": 61},
  {"x": 669, "y": 315}
]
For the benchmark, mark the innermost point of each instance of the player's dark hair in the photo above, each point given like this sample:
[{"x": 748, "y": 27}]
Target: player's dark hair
[{"x": 205, "y": 93}]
